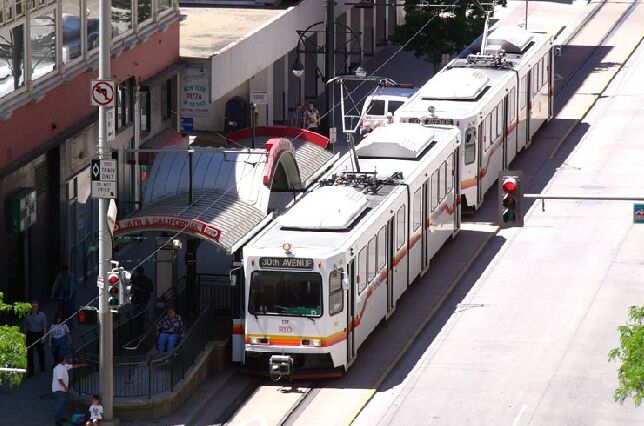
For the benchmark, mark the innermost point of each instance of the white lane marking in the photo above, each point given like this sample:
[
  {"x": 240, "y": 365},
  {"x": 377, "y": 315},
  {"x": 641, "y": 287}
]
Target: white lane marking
[
  {"x": 573, "y": 320},
  {"x": 518, "y": 417}
]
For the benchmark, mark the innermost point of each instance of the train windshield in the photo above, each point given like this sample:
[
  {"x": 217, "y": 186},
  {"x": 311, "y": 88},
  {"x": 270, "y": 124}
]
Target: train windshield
[{"x": 285, "y": 293}]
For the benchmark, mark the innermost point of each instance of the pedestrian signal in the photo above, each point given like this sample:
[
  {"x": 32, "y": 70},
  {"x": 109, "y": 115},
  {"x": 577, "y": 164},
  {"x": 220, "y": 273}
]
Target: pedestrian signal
[
  {"x": 510, "y": 199},
  {"x": 87, "y": 315},
  {"x": 125, "y": 293}
]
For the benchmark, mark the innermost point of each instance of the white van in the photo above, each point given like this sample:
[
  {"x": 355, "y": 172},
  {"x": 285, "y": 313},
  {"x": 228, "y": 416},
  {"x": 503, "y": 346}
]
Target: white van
[{"x": 382, "y": 101}]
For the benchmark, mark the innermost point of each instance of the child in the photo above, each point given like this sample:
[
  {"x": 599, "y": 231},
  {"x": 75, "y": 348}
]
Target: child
[
  {"x": 60, "y": 339},
  {"x": 95, "y": 412}
]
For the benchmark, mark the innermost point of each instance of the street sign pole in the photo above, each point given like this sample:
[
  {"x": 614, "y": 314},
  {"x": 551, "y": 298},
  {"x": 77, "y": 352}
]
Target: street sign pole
[{"x": 106, "y": 352}]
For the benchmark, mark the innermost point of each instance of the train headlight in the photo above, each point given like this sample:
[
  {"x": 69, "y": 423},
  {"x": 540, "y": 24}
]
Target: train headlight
[
  {"x": 311, "y": 342},
  {"x": 260, "y": 341}
]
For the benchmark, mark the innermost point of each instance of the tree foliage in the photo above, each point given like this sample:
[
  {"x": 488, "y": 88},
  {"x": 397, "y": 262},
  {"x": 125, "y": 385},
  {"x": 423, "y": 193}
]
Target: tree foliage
[
  {"x": 13, "y": 349},
  {"x": 631, "y": 354},
  {"x": 450, "y": 30}
]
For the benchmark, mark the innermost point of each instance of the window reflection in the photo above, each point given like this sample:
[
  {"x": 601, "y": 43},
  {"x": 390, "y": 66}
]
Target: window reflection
[
  {"x": 12, "y": 59},
  {"x": 43, "y": 44},
  {"x": 145, "y": 10},
  {"x": 121, "y": 16},
  {"x": 92, "y": 24},
  {"x": 71, "y": 30},
  {"x": 165, "y": 4}
]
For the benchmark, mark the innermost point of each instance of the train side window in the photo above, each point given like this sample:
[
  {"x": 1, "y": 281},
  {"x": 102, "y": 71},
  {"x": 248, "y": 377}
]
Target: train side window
[
  {"x": 522, "y": 93},
  {"x": 450, "y": 173},
  {"x": 470, "y": 146},
  {"x": 443, "y": 181},
  {"x": 400, "y": 227},
  {"x": 336, "y": 295},
  {"x": 501, "y": 119},
  {"x": 371, "y": 262},
  {"x": 544, "y": 71},
  {"x": 486, "y": 131},
  {"x": 362, "y": 269},
  {"x": 417, "y": 209},
  {"x": 435, "y": 184},
  {"x": 490, "y": 129},
  {"x": 512, "y": 104},
  {"x": 497, "y": 122},
  {"x": 382, "y": 248}
]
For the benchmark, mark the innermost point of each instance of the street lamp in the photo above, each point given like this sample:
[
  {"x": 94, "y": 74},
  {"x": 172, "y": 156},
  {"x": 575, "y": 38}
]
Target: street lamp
[
  {"x": 360, "y": 71},
  {"x": 298, "y": 68}
]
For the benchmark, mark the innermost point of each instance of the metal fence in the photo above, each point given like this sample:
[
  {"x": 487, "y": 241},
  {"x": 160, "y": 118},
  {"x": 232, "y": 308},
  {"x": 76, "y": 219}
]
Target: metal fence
[{"x": 143, "y": 376}]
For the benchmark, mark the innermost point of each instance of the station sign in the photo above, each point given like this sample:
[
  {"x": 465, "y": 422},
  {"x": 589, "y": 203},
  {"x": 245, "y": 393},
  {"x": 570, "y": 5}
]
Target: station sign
[
  {"x": 638, "y": 213},
  {"x": 259, "y": 97},
  {"x": 168, "y": 223},
  {"x": 104, "y": 174},
  {"x": 23, "y": 210},
  {"x": 286, "y": 263}
]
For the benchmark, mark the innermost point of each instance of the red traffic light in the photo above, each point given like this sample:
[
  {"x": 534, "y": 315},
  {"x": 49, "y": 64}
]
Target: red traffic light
[
  {"x": 509, "y": 184},
  {"x": 113, "y": 279},
  {"x": 87, "y": 316}
]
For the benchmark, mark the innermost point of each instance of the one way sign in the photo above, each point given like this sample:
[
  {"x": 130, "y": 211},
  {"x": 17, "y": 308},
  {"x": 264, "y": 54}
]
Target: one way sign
[{"x": 104, "y": 176}]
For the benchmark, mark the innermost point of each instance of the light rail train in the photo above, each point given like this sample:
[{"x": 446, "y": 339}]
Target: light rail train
[
  {"x": 498, "y": 99},
  {"x": 319, "y": 279}
]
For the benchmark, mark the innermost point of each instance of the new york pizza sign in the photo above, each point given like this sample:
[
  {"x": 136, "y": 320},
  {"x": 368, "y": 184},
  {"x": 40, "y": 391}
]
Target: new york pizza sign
[{"x": 168, "y": 223}]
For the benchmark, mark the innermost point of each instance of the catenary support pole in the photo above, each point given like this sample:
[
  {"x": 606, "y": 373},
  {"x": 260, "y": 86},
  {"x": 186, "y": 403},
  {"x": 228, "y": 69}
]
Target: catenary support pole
[
  {"x": 329, "y": 60},
  {"x": 106, "y": 353}
]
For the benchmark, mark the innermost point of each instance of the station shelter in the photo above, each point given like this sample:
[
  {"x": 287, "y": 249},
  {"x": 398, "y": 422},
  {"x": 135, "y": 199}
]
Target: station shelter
[{"x": 221, "y": 197}]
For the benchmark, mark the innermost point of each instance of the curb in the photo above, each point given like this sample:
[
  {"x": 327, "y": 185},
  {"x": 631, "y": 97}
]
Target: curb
[{"x": 419, "y": 330}]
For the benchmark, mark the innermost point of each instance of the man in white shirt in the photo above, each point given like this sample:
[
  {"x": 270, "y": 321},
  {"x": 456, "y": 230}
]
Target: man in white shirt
[{"x": 60, "y": 387}]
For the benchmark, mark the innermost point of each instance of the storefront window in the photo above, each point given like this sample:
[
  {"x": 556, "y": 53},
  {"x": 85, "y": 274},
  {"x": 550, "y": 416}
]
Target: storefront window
[
  {"x": 43, "y": 44},
  {"x": 145, "y": 10},
  {"x": 12, "y": 59},
  {"x": 92, "y": 24},
  {"x": 71, "y": 30},
  {"x": 164, "y": 5},
  {"x": 121, "y": 17}
]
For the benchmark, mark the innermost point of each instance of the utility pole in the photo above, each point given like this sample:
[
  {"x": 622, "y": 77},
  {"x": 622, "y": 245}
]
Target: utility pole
[
  {"x": 329, "y": 60},
  {"x": 106, "y": 352}
]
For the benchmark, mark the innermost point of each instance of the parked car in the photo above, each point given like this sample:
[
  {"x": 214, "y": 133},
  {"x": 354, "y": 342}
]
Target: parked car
[{"x": 384, "y": 100}]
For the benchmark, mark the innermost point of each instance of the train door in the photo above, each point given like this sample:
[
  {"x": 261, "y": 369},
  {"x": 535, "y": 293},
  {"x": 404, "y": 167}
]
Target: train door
[
  {"x": 351, "y": 295},
  {"x": 528, "y": 90},
  {"x": 390, "y": 266},
  {"x": 424, "y": 230},
  {"x": 479, "y": 165},
  {"x": 504, "y": 134}
]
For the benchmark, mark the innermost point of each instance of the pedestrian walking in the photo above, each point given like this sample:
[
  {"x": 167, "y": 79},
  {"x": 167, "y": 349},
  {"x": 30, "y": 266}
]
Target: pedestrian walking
[
  {"x": 60, "y": 339},
  {"x": 64, "y": 290},
  {"x": 170, "y": 330},
  {"x": 60, "y": 386},
  {"x": 312, "y": 118},
  {"x": 95, "y": 412},
  {"x": 35, "y": 328}
]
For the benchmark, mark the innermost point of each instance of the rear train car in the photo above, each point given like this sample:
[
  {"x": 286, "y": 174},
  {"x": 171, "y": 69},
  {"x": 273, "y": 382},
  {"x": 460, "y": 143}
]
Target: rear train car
[
  {"x": 320, "y": 278},
  {"x": 498, "y": 98}
]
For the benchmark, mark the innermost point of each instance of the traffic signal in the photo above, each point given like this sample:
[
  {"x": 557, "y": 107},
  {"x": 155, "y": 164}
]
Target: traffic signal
[
  {"x": 114, "y": 287},
  {"x": 510, "y": 197},
  {"x": 125, "y": 292},
  {"x": 87, "y": 315}
]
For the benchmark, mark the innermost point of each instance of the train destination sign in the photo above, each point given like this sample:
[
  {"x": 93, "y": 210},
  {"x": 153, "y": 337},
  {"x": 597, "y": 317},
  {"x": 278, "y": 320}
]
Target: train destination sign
[{"x": 286, "y": 263}]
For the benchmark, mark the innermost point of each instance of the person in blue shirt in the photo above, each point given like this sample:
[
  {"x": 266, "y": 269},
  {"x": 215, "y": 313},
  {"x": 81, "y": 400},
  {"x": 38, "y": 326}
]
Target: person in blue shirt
[{"x": 170, "y": 330}]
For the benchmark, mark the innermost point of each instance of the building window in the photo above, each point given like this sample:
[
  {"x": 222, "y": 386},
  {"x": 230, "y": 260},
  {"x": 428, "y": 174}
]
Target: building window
[
  {"x": 144, "y": 101},
  {"x": 145, "y": 10},
  {"x": 43, "y": 44},
  {"x": 124, "y": 104},
  {"x": 166, "y": 99},
  {"x": 121, "y": 17},
  {"x": 71, "y": 30},
  {"x": 164, "y": 5},
  {"x": 12, "y": 59},
  {"x": 92, "y": 25}
]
